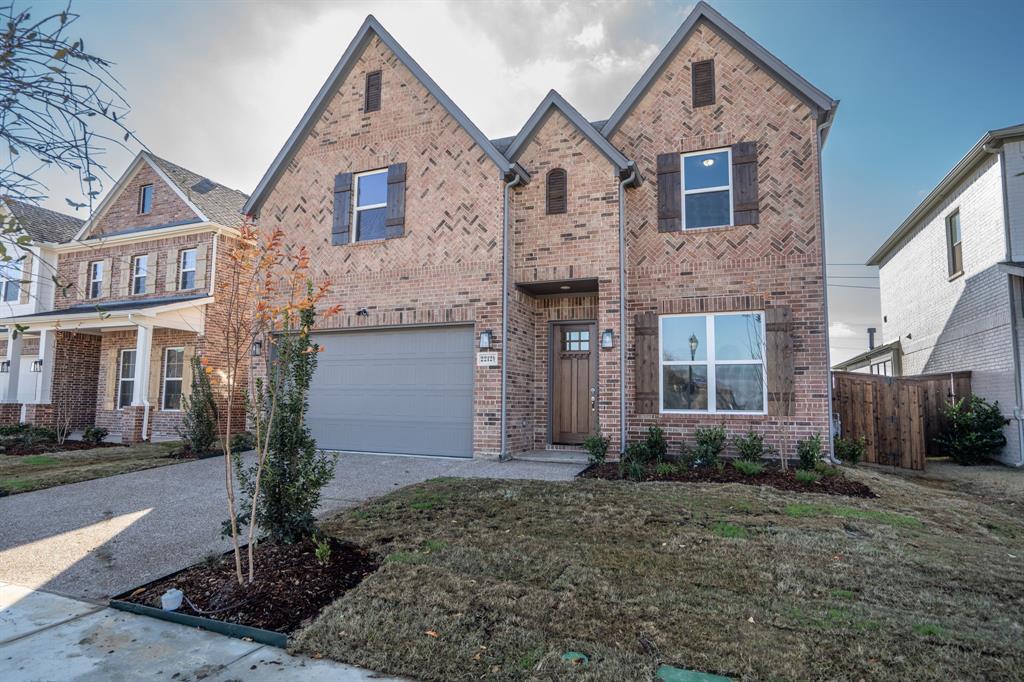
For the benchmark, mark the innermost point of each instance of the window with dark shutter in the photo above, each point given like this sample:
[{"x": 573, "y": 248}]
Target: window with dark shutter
[
  {"x": 372, "y": 101},
  {"x": 703, "y": 83},
  {"x": 557, "y": 191}
]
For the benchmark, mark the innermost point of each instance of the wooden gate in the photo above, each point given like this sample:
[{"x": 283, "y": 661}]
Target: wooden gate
[{"x": 899, "y": 417}]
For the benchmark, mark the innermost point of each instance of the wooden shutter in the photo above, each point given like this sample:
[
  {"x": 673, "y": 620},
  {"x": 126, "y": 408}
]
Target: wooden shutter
[
  {"x": 156, "y": 366},
  {"x": 171, "y": 270},
  {"x": 151, "y": 266},
  {"x": 83, "y": 280},
  {"x": 186, "y": 371},
  {"x": 557, "y": 191},
  {"x": 645, "y": 331},
  {"x": 779, "y": 343},
  {"x": 342, "y": 209},
  {"x": 201, "y": 265},
  {"x": 372, "y": 100},
  {"x": 26, "y": 279},
  {"x": 744, "y": 184},
  {"x": 703, "y": 74},
  {"x": 110, "y": 379},
  {"x": 124, "y": 276},
  {"x": 107, "y": 276},
  {"x": 394, "y": 225},
  {"x": 670, "y": 203}
]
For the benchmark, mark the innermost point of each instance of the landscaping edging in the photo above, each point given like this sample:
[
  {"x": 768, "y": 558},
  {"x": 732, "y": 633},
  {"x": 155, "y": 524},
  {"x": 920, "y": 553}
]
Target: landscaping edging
[{"x": 269, "y": 637}]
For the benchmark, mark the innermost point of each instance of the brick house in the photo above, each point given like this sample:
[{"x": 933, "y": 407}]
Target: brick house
[
  {"x": 135, "y": 301},
  {"x": 500, "y": 297},
  {"x": 951, "y": 280}
]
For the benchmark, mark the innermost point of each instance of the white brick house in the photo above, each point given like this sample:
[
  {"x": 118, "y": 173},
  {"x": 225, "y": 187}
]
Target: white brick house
[{"x": 951, "y": 279}]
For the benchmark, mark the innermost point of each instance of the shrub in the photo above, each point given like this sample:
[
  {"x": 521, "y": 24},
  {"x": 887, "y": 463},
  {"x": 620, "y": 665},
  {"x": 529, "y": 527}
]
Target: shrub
[
  {"x": 34, "y": 435},
  {"x": 747, "y": 467},
  {"x": 974, "y": 431},
  {"x": 199, "y": 412},
  {"x": 13, "y": 429},
  {"x": 242, "y": 441},
  {"x": 809, "y": 451},
  {"x": 94, "y": 435},
  {"x": 657, "y": 447},
  {"x": 825, "y": 469},
  {"x": 806, "y": 475},
  {"x": 710, "y": 443},
  {"x": 637, "y": 452},
  {"x": 323, "y": 550},
  {"x": 751, "y": 446},
  {"x": 851, "y": 450},
  {"x": 665, "y": 469},
  {"x": 597, "y": 448},
  {"x": 631, "y": 469}
]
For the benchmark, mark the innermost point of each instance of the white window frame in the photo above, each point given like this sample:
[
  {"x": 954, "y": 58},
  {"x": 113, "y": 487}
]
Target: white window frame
[
  {"x": 121, "y": 379},
  {"x": 711, "y": 363},
  {"x": 180, "y": 380},
  {"x": 951, "y": 245},
  {"x": 683, "y": 192},
  {"x": 182, "y": 269},
  {"x": 95, "y": 267},
  {"x": 139, "y": 274},
  {"x": 355, "y": 201},
  {"x": 11, "y": 280},
  {"x": 142, "y": 202}
]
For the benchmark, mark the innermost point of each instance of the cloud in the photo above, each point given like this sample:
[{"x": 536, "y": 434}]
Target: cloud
[{"x": 841, "y": 330}]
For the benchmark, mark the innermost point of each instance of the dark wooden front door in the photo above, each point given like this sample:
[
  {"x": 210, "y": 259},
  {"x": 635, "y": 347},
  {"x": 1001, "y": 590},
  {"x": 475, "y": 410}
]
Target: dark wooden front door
[{"x": 573, "y": 382}]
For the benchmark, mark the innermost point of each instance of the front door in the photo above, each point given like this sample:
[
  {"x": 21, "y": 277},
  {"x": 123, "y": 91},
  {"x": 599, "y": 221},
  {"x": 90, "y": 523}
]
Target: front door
[{"x": 573, "y": 382}]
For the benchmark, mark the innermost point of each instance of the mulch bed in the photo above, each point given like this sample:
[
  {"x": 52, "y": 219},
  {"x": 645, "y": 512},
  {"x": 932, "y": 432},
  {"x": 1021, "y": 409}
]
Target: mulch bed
[
  {"x": 19, "y": 449},
  {"x": 290, "y": 589},
  {"x": 187, "y": 453},
  {"x": 771, "y": 476}
]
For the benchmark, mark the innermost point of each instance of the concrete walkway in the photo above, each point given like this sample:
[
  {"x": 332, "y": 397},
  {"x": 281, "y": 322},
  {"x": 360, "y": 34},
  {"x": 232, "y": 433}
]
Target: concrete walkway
[
  {"x": 45, "y": 637},
  {"x": 97, "y": 539}
]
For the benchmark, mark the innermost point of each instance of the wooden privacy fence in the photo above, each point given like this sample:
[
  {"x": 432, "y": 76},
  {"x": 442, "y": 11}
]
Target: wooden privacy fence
[{"x": 899, "y": 417}]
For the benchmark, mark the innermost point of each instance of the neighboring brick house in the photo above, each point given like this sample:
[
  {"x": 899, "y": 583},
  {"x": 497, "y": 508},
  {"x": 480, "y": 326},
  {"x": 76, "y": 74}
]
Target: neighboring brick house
[
  {"x": 952, "y": 281},
  {"x": 136, "y": 301},
  {"x": 481, "y": 281}
]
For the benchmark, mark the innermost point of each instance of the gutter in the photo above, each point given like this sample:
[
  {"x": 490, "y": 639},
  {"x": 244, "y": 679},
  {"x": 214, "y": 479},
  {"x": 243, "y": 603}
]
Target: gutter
[
  {"x": 821, "y": 132},
  {"x": 622, "y": 306},
  {"x": 503, "y": 454},
  {"x": 1014, "y": 325}
]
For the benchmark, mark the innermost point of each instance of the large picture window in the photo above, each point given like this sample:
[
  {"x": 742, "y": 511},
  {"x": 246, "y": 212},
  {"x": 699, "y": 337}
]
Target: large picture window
[
  {"x": 713, "y": 363},
  {"x": 125, "y": 377},
  {"x": 371, "y": 205},
  {"x": 174, "y": 367},
  {"x": 707, "y": 189}
]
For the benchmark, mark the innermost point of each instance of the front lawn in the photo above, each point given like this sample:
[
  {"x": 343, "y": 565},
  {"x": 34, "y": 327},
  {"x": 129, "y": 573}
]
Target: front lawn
[
  {"x": 497, "y": 579},
  {"x": 19, "y": 474}
]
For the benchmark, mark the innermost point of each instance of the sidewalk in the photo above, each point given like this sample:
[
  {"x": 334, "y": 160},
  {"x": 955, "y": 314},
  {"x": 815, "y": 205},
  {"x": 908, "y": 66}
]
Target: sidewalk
[{"x": 45, "y": 637}]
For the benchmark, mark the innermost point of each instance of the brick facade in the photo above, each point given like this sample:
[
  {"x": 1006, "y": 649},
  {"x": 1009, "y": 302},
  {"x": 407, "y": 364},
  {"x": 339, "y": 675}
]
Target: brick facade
[{"x": 123, "y": 212}]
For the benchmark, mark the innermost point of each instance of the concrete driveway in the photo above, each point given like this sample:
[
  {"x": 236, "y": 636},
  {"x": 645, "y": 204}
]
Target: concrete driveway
[{"x": 96, "y": 539}]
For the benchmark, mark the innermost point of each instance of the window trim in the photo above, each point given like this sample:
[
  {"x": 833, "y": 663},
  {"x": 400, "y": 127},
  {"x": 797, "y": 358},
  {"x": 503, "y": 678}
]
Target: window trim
[
  {"x": 137, "y": 275},
  {"x": 711, "y": 363},
  {"x": 95, "y": 266},
  {"x": 121, "y": 379},
  {"x": 683, "y": 192},
  {"x": 142, "y": 199},
  {"x": 951, "y": 268},
  {"x": 165, "y": 379},
  {"x": 182, "y": 269},
  {"x": 356, "y": 178}
]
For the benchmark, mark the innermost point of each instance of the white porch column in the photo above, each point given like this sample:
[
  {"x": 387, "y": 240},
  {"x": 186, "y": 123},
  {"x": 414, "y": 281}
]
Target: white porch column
[
  {"x": 14, "y": 369},
  {"x": 47, "y": 354},
  {"x": 143, "y": 352}
]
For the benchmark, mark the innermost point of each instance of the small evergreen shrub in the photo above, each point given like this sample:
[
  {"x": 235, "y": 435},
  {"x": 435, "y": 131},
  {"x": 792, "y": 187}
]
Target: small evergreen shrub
[
  {"x": 851, "y": 450},
  {"x": 242, "y": 442},
  {"x": 747, "y": 467},
  {"x": 323, "y": 550},
  {"x": 631, "y": 469},
  {"x": 806, "y": 475},
  {"x": 974, "y": 431},
  {"x": 597, "y": 448},
  {"x": 13, "y": 430},
  {"x": 657, "y": 447},
  {"x": 638, "y": 452},
  {"x": 809, "y": 451},
  {"x": 94, "y": 435},
  {"x": 665, "y": 469},
  {"x": 35, "y": 435},
  {"x": 750, "y": 447},
  {"x": 199, "y": 412},
  {"x": 710, "y": 443},
  {"x": 825, "y": 469}
]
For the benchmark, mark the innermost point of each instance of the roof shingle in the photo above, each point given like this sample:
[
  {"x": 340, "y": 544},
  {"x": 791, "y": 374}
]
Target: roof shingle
[{"x": 42, "y": 224}]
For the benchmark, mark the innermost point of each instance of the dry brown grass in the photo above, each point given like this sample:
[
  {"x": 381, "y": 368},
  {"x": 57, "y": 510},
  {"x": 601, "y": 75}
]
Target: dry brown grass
[
  {"x": 748, "y": 582},
  {"x": 35, "y": 472}
]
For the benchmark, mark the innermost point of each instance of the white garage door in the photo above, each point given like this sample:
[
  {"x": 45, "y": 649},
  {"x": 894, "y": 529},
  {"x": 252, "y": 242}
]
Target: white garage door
[{"x": 407, "y": 391}]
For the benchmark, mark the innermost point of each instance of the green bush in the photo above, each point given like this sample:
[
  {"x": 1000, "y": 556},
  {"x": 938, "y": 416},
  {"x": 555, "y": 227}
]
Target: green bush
[
  {"x": 710, "y": 443},
  {"x": 974, "y": 431},
  {"x": 809, "y": 451},
  {"x": 825, "y": 469},
  {"x": 13, "y": 430},
  {"x": 747, "y": 467},
  {"x": 851, "y": 450},
  {"x": 597, "y": 448},
  {"x": 242, "y": 442},
  {"x": 657, "y": 447},
  {"x": 38, "y": 435},
  {"x": 94, "y": 435},
  {"x": 806, "y": 475},
  {"x": 751, "y": 446},
  {"x": 638, "y": 452},
  {"x": 199, "y": 412},
  {"x": 665, "y": 469},
  {"x": 631, "y": 469}
]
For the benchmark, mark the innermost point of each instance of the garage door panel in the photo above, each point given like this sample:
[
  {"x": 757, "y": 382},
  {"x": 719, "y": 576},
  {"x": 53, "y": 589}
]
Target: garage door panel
[{"x": 405, "y": 391}]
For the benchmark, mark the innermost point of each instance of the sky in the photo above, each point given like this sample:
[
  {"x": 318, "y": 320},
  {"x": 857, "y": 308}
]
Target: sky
[{"x": 218, "y": 85}]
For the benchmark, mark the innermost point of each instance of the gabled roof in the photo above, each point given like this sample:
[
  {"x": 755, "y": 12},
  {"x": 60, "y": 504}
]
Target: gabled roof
[
  {"x": 959, "y": 172},
  {"x": 210, "y": 201},
  {"x": 369, "y": 28},
  {"x": 704, "y": 11},
  {"x": 555, "y": 102},
  {"x": 42, "y": 224}
]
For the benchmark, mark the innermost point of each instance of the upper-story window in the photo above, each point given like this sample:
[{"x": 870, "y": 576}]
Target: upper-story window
[
  {"x": 95, "y": 279},
  {"x": 145, "y": 199},
  {"x": 953, "y": 237},
  {"x": 707, "y": 188},
  {"x": 187, "y": 269},
  {"x": 371, "y": 204},
  {"x": 10, "y": 281},
  {"x": 371, "y": 99},
  {"x": 140, "y": 269},
  {"x": 557, "y": 191}
]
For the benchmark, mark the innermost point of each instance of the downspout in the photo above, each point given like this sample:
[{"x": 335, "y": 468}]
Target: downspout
[
  {"x": 503, "y": 454},
  {"x": 622, "y": 307},
  {"x": 1014, "y": 340},
  {"x": 819, "y": 141}
]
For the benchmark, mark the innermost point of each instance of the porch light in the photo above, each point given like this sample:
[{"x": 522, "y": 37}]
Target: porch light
[
  {"x": 5, "y": 367},
  {"x": 257, "y": 349},
  {"x": 693, "y": 346},
  {"x": 485, "y": 339},
  {"x": 37, "y": 366},
  {"x": 607, "y": 339}
]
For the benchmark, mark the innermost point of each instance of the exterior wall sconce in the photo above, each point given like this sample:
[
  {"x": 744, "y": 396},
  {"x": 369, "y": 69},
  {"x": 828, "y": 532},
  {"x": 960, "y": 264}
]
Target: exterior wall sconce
[
  {"x": 363, "y": 312},
  {"x": 485, "y": 339},
  {"x": 5, "y": 367},
  {"x": 607, "y": 339},
  {"x": 37, "y": 366},
  {"x": 257, "y": 349}
]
